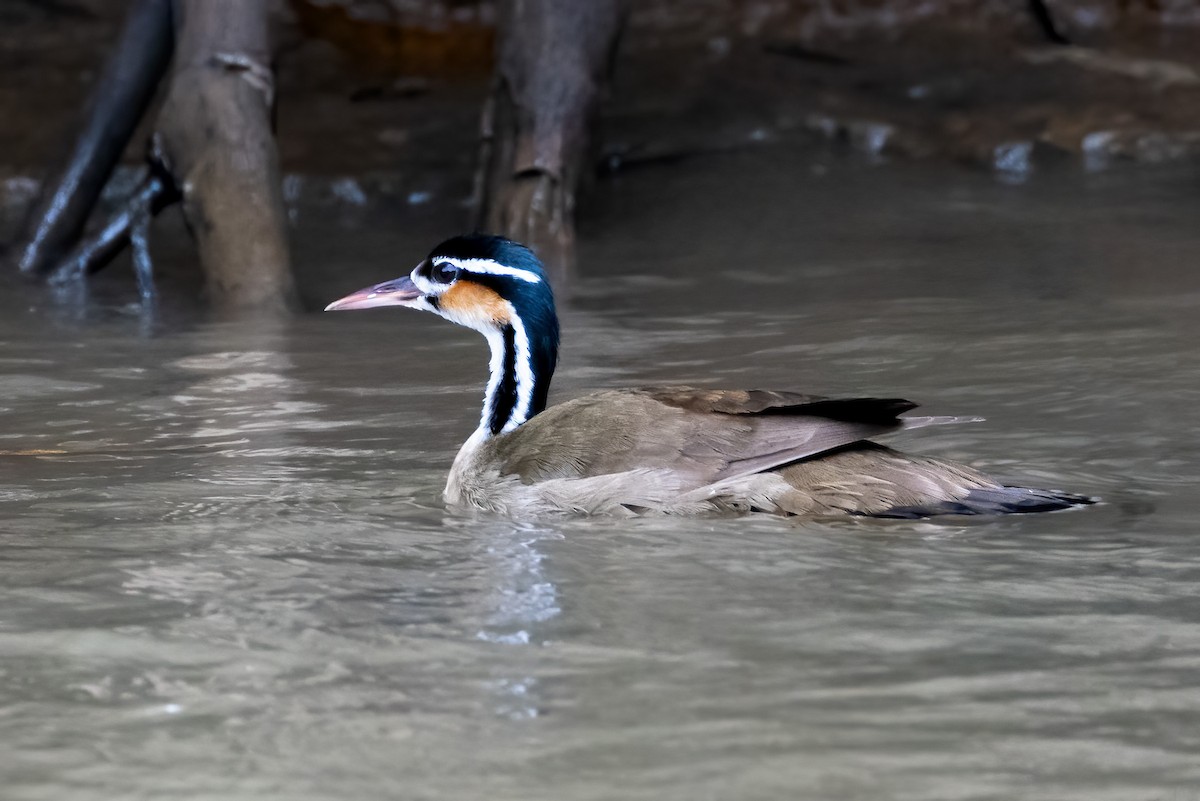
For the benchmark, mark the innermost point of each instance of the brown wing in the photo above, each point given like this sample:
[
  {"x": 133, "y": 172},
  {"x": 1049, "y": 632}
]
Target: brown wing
[
  {"x": 763, "y": 401},
  {"x": 701, "y": 436},
  {"x": 726, "y": 401}
]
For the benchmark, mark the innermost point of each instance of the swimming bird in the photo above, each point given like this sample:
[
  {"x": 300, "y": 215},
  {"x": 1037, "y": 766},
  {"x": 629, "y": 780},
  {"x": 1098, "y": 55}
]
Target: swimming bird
[{"x": 675, "y": 450}]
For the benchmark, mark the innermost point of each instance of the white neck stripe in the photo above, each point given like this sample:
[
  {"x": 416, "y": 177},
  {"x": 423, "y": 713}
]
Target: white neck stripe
[
  {"x": 520, "y": 412},
  {"x": 523, "y": 362},
  {"x": 495, "y": 374}
]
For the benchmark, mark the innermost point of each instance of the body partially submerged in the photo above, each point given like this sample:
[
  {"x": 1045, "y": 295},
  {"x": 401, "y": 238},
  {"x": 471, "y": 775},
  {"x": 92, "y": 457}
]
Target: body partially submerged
[
  {"x": 678, "y": 450},
  {"x": 674, "y": 450}
]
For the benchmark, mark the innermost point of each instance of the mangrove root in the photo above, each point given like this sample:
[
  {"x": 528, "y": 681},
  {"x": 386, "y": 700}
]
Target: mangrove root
[
  {"x": 131, "y": 224},
  {"x": 216, "y": 135},
  {"x": 120, "y": 98},
  {"x": 553, "y": 62}
]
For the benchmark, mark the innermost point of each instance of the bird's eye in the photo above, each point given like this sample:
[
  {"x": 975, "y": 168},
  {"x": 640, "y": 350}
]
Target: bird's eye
[{"x": 444, "y": 272}]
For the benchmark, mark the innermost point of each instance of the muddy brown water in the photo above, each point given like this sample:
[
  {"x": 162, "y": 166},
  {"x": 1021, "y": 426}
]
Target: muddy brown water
[{"x": 239, "y": 582}]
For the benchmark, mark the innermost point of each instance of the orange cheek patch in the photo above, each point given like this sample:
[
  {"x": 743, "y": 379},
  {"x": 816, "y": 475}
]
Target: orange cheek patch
[{"x": 469, "y": 301}]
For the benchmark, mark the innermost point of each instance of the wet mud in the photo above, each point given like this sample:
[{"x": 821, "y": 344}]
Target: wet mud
[{"x": 974, "y": 81}]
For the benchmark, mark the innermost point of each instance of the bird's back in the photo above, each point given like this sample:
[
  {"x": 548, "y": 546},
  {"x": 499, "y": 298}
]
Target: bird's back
[{"x": 695, "y": 451}]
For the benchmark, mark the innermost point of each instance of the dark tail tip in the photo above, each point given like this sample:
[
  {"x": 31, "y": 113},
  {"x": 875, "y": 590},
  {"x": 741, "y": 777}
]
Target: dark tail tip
[{"x": 995, "y": 501}]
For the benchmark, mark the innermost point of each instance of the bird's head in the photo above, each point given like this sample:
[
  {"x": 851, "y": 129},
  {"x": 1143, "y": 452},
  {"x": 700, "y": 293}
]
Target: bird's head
[
  {"x": 495, "y": 286},
  {"x": 480, "y": 281}
]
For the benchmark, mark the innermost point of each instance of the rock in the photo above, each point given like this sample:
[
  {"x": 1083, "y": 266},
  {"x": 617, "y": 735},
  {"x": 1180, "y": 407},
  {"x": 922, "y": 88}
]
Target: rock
[
  {"x": 1100, "y": 148},
  {"x": 870, "y": 137},
  {"x": 1013, "y": 158}
]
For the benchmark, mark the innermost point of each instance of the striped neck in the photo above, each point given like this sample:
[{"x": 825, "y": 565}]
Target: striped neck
[{"x": 521, "y": 368}]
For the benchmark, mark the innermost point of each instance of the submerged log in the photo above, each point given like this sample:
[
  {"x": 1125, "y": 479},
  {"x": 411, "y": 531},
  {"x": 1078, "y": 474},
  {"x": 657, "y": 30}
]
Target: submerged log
[
  {"x": 552, "y": 65},
  {"x": 117, "y": 103},
  {"x": 217, "y": 139}
]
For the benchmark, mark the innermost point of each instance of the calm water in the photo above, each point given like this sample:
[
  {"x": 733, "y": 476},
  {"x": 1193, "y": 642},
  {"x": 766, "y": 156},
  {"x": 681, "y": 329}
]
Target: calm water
[{"x": 239, "y": 582}]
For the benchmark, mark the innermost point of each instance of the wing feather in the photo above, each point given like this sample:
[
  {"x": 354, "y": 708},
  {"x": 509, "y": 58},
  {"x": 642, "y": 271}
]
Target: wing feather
[{"x": 702, "y": 436}]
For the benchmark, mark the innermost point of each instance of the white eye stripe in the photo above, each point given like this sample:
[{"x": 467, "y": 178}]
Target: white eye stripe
[
  {"x": 425, "y": 285},
  {"x": 489, "y": 267}
]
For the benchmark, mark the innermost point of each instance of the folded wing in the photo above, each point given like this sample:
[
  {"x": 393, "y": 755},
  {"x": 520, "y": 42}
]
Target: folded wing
[{"x": 702, "y": 436}]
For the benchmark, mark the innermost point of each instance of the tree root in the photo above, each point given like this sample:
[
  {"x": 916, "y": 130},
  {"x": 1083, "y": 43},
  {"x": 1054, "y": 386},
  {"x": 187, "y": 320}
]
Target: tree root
[
  {"x": 129, "y": 226},
  {"x": 121, "y": 97}
]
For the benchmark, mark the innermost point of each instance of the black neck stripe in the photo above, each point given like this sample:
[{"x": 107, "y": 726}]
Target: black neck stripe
[{"x": 504, "y": 397}]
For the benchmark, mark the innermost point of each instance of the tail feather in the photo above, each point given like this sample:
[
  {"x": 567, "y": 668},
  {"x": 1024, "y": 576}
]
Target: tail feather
[{"x": 994, "y": 501}]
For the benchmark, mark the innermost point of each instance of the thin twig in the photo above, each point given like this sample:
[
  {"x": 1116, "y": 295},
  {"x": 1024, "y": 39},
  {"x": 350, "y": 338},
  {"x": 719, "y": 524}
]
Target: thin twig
[{"x": 1045, "y": 21}]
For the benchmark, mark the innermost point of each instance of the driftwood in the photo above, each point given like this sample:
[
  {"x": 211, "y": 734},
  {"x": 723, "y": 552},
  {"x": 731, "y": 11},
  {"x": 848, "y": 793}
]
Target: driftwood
[
  {"x": 216, "y": 136},
  {"x": 122, "y": 94},
  {"x": 552, "y": 64}
]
